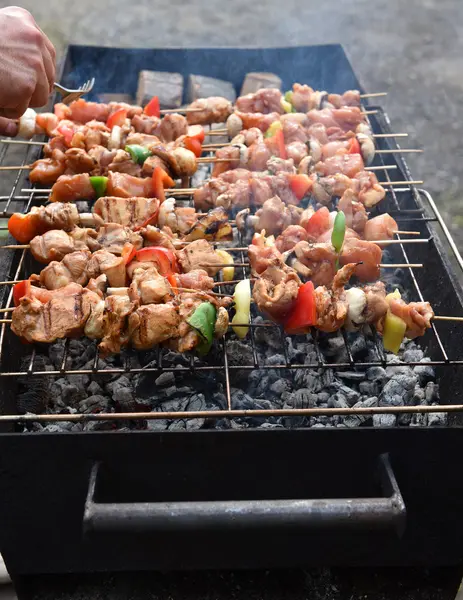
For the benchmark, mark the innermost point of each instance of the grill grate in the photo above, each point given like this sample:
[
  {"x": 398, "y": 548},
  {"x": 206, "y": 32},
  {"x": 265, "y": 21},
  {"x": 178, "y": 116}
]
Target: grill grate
[{"x": 396, "y": 205}]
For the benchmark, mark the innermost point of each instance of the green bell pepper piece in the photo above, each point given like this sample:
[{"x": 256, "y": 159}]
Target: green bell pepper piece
[
  {"x": 99, "y": 185},
  {"x": 339, "y": 231},
  {"x": 203, "y": 321},
  {"x": 138, "y": 153}
]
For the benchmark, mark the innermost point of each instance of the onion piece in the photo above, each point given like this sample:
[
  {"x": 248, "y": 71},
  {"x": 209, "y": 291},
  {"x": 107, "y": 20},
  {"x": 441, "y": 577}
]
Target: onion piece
[
  {"x": 242, "y": 297},
  {"x": 357, "y": 301},
  {"x": 27, "y": 124},
  {"x": 115, "y": 139}
]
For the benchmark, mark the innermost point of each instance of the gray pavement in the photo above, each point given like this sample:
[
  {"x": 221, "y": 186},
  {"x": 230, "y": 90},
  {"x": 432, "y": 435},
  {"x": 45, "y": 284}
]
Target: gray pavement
[{"x": 411, "y": 49}]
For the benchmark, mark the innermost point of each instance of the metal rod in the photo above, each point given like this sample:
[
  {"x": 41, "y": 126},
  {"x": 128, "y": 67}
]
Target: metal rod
[
  {"x": 218, "y": 414},
  {"x": 27, "y": 142},
  {"x": 411, "y": 182}
]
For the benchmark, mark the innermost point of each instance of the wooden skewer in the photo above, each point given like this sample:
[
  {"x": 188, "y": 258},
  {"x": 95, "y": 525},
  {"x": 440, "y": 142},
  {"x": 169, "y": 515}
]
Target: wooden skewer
[
  {"x": 15, "y": 168},
  {"x": 381, "y": 265},
  {"x": 400, "y": 232},
  {"x": 402, "y": 183},
  {"x": 444, "y": 318},
  {"x": 373, "y": 95},
  {"x": 400, "y": 151},
  {"x": 27, "y": 142}
]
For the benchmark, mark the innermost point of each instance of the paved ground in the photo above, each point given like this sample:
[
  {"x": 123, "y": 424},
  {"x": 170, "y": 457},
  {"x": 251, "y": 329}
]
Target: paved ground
[{"x": 414, "y": 51}]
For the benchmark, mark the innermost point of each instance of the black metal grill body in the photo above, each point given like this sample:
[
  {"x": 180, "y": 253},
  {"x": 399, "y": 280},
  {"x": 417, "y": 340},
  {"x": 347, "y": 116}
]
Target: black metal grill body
[{"x": 216, "y": 499}]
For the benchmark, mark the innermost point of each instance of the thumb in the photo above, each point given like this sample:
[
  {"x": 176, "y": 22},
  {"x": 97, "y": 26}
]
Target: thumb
[{"x": 8, "y": 127}]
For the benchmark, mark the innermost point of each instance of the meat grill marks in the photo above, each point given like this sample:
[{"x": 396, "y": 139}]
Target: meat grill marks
[{"x": 117, "y": 320}]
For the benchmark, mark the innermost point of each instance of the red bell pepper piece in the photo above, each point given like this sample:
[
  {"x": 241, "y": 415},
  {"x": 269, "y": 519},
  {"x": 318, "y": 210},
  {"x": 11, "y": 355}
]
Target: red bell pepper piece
[
  {"x": 160, "y": 181},
  {"x": 280, "y": 143},
  {"x": 23, "y": 288},
  {"x": 67, "y": 133},
  {"x": 23, "y": 227},
  {"x": 152, "y": 219},
  {"x": 300, "y": 185},
  {"x": 173, "y": 282},
  {"x": 163, "y": 257},
  {"x": 354, "y": 147},
  {"x": 197, "y": 132},
  {"x": 118, "y": 117},
  {"x": 318, "y": 223},
  {"x": 128, "y": 253},
  {"x": 304, "y": 313},
  {"x": 194, "y": 145},
  {"x": 153, "y": 108}
]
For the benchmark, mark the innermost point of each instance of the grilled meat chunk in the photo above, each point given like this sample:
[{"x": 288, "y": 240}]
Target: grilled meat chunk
[
  {"x": 149, "y": 287},
  {"x": 55, "y": 244},
  {"x": 265, "y": 100},
  {"x": 103, "y": 262},
  {"x": 64, "y": 314},
  {"x": 331, "y": 302},
  {"x": 115, "y": 326},
  {"x": 129, "y": 212},
  {"x": 113, "y": 238},
  {"x": 72, "y": 269},
  {"x": 199, "y": 255},
  {"x": 275, "y": 291},
  {"x": 153, "y": 324},
  {"x": 213, "y": 110},
  {"x": 69, "y": 188}
]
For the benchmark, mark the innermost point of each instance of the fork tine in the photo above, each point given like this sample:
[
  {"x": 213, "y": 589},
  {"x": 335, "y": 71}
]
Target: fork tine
[{"x": 90, "y": 84}]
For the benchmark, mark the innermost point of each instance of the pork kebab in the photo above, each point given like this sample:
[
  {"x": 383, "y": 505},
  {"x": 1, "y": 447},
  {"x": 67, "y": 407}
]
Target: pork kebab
[
  {"x": 136, "y": 213},
  {"x": 328, "y": 306},
  {"x": 289, "y": 222}
]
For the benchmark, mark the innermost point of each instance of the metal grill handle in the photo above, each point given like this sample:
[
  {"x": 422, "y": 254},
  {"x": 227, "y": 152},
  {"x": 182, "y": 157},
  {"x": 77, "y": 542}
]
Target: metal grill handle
[{"x": 378, "y": 513}]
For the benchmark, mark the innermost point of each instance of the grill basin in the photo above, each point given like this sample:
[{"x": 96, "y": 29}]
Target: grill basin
[{"x": 166, "y": 500}]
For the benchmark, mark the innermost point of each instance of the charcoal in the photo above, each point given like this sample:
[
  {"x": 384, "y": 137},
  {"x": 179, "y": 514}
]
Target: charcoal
[
  {"x": 357, "y": 420},
  {"x": 398, "y": 390},
  {"x": 220, "y": 400},
  {"x": 36, "y": 395},
  {"x": 157, "y": 424},
  {"x": 431, "y": 392},
  {"x": 377, "y": 374},
  {"x": 279, "y": 387},
  {"x": 326, "y": 377},
  {"x": 177, "y": 425},
  {"x": 63, "y": 427},
  {"x": 170, "y": 391},
  {"x": 94, "y": 388},
  {"x": 269, "y": 377},
  {"x": 94, "y": 404},
  {"x": 239, "y": 354},
  {"x": 275, "y": 359},
  {"x": 165, "y": 379},
  {"x": 269, "y": 336},
  {"x": 62, "y": 389},
  {"x": 404, "y": 419},
  {"x": 384, "y": 420},
  {"x": 351, "y": 395},
  {"x": 394, "y": 370},
  {"x": 308, "y": 379},
  {"x": 334, "y": 347},
  {"x": 370, "y": 388},
  {"x": 168, "y": 87},
  {"x": 302, "y": 398},
  {"x": 317, "y": 426},
  {"x": 358, "y": 347},
  {"x": 354, "y": 376},
  {"x": 255, "y": 81},
  {"x": 201, "y": 86},
  {"x": 99, "y": 426},
  {"x": 173, "y": 405},
  {"x": 338, "y": 400},
  {"x": 419, "y": 420},
  {"x": 323, "y": 397},
  {"x": 100, "y": 366},
  {"x": 418, "y": 396},
  {"x": 241, "y": 400},
  {"x": 424, "y": 372},
  {"x": 55, "y": 353},
  {"x": 437, "y": 419},
  {"x": 413, "y": 354}
]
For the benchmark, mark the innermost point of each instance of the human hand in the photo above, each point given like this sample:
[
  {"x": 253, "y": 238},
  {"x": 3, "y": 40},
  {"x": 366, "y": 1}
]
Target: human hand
[{"x": 27, "y": 66}]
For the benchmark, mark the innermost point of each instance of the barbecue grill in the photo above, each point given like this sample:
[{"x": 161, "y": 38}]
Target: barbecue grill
[{"x": 243, "y": 491}]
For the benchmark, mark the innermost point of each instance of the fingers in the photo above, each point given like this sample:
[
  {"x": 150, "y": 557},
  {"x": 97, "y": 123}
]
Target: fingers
[
  {"x": 49, "y": 65},
  {"x": 7, "y": 127},
  {"x": 42, "y": 89}
]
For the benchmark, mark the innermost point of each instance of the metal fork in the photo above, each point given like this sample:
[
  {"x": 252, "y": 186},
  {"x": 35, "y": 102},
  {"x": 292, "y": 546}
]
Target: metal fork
[{"x": 71, "y": 95}]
